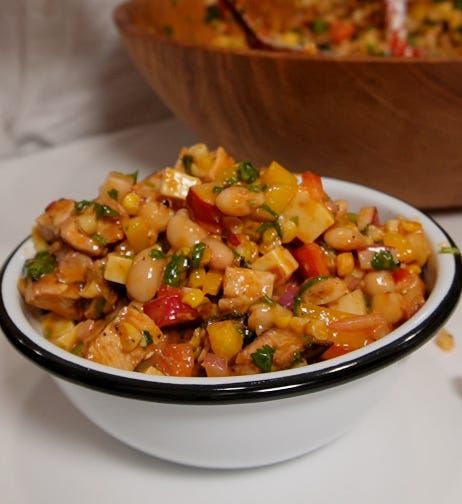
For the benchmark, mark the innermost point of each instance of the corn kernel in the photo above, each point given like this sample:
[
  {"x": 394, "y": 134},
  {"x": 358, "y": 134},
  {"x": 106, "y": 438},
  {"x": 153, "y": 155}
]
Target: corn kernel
[
  {"x": 345, "y": 264},
  {"x": 87, "y": 223},
  {"x": 414, "y": 268},
  {"x": 212, "y": 283},
  {"x": 197, "y": 278},
  {"x": 289, "y": 230},
  {"x": 408, "y": 226},
  {"x": 297, "y": 324},
  {"x": 226, "y": 338},
  {"x": 316, "y": 328},
  {"x": 445, "y": 340},
  {"x": 131, "y": 203},
  {"x": 139, "y": 234},
  {"x": 129, "y": 335},
  {"x": 282, "y": 321},
  {"x": 193, "y": 298}
]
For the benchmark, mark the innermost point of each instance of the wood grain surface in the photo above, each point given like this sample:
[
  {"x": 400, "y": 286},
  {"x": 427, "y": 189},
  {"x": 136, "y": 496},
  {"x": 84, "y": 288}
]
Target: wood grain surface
[{"x": 393, "y": 124}]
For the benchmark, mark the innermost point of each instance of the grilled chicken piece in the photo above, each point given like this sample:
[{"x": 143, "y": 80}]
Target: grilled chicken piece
[
  {"x": 48, "y": 293},
  {"x": 286, "y": 344},
  {"x": 49, "y": 223},
  {"x": 123, "y": 344}
]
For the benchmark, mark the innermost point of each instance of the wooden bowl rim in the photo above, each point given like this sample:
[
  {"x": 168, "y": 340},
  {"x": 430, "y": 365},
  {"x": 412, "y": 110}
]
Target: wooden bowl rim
[{"x": 123, "y": 23}]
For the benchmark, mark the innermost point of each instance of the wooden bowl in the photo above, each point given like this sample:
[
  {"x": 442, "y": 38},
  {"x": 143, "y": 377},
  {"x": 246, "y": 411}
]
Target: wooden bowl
[{"x": 393, "y": 124}]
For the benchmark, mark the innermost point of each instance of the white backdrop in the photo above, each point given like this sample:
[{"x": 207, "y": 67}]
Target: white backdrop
[{"x": 64, "y": 75}]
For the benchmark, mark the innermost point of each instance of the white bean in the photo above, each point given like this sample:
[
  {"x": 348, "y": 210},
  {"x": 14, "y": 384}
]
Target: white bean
[
  {"x": 238, "y": 201},
  {"x": 144, "y": 276},
  {"x": 378, "y": 282},
  {"x": 183, "y": 232},
  {"x": 345, "y": 238},
  {"x": 222, "y": 255},
  {"x": 157, "y": 213}
]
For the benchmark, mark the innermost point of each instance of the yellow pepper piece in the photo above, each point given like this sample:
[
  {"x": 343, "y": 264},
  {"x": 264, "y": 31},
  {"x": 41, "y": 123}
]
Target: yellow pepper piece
[
  {"x": 277, "y": 174},
  {"x": 193, "y": 298}
]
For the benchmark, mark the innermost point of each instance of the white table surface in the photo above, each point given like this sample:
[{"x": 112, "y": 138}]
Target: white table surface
[{"x": 406, "y": 450}]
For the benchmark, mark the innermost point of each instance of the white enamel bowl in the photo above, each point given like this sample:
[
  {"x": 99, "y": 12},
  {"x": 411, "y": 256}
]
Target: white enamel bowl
[{"x": 247, "y": 421}]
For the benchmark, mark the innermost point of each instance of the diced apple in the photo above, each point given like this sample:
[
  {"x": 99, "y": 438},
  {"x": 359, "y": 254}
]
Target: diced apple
[
  {"x": 117, "y": 268},
  {"x": 278, "y": 261},
  {"x": 59, "y": 331},
  {"x": 312, "y": 217},
  {"x": 176, "y": 184},
  {"x": 353, "y": 302},
  {"x": 199, "y": 162},
  {"x": 248, "y": 283},
  {"x": 200, "y": 202},
  {"x": 367, "y": 216},
  {"x": 118, "y": 184}
]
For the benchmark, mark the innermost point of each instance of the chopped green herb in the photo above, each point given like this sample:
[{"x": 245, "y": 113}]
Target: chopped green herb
[
  {"x": 352, "y": 217},
  {"x": 147, "y": 339},
  {"x": 134, "y": 176},
  {"x": 450, "y": 250},
  {"x": 319, "y": 26},
  {"x": 230, "y": 181},
  {"x": 187, "y": 161},
  {"x": 176, "y": 270},
  {"x": 197, "y": 254},
  {"x": 156, "y": 254},
  {"x": 78, "y": 349},
  {"x": 80, "y": 206},
  {"x": 99, "y": 239},
  {"x": 268, "y": 209},
  {"x": 255, "y": 188},
  {"x": 40, "y": 265},
  {"x": 267, "y": 300},
  {"x": 105, "y": 211},
  {"x": 247, "y": 172},
  {"x": 213, "y": 13},
  {"x": 309, "y": 283},
  {"x": 217, "y": 189},
  {"x": 113, "y": 193},
  {"x": 263, "y": 358},
  {"x": 249, "y": 335},
  {"x": 384, "y": 260},
  {"x": 267, "y": 225}
]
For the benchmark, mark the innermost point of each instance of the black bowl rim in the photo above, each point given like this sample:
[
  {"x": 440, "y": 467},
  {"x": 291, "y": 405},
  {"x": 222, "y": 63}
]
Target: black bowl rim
[
  {"x": 250, "y": 391},
  {"x": 125, "y": 27}
]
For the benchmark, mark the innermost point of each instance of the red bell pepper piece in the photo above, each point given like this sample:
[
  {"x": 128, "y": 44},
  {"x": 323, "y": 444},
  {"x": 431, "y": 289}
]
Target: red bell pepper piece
[
  {"x": 311, "y": 260},
  {"x": 168, "y": 309},
  {"x": 314, "y": 185}
]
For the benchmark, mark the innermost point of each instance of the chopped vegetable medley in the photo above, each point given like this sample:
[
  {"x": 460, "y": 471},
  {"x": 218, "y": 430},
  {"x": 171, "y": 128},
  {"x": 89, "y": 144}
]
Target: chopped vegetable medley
[{"x": 217, "y": 268}]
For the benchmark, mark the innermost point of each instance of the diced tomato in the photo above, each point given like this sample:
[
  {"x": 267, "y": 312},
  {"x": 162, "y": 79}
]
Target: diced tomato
[
  {"x": 234, "y": 240},
  {"x": 169, "y": 310},
  {"x": 336, "y": 350},
  {"x": 340, "y": 31},
  {"x": 174, "y": 359},
  {"x": 313, "y": 183},
  {"x": 401, "y": 275},
  {"x": 311, "y": 260}
]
